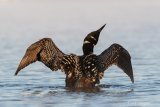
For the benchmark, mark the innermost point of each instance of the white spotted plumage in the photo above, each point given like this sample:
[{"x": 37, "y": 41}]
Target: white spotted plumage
[{"x": 89, "y": 66}]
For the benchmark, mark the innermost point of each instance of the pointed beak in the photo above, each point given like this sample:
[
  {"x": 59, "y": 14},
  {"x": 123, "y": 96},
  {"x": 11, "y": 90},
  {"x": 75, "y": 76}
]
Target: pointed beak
[{"x": 99, "y": 30}]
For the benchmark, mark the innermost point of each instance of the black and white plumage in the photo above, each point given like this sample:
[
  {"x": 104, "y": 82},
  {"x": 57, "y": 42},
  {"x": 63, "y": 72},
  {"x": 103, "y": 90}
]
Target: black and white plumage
[
  {"x": 91, "y": 40},
  {"x": 81, "y": 71}
]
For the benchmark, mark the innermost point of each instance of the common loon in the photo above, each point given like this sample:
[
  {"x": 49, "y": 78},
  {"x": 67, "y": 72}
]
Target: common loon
[{"x": 81, "y": 71}]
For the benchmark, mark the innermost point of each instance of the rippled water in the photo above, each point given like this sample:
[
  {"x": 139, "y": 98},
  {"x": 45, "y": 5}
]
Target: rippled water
[{"x": 133, "y": 24}]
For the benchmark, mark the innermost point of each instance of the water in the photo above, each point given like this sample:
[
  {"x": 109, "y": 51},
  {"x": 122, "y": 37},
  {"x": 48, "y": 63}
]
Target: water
[{"x": 133, "y": 24}]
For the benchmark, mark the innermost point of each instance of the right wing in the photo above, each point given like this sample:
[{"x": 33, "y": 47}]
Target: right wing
[
  {"x": 44, "y": 51},
  {"x": 117, "y": 55}
]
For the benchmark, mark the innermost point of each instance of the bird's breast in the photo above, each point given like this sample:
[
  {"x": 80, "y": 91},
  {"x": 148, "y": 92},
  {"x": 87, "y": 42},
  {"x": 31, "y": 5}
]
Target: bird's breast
[{"x": 80, "y": 69}]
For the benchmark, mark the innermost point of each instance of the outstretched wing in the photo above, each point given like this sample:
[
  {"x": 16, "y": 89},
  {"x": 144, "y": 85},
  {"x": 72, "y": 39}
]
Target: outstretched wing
[
  {"x": 91, "y": 40},
  {"x": 44, "y": 51},
  {"x": 119, "y": 56}
]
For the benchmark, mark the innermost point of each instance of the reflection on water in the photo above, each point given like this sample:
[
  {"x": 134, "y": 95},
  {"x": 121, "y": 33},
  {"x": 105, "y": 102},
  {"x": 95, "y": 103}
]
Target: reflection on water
[{"x": 133, "y": 24}]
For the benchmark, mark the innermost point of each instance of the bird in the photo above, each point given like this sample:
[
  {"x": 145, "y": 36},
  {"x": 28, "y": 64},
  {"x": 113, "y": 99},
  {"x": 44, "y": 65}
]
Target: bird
[{"x": 82, "y": 71}]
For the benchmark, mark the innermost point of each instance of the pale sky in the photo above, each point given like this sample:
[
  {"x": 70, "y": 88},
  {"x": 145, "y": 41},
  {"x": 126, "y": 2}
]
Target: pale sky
[{"x": 61, "y": 16}]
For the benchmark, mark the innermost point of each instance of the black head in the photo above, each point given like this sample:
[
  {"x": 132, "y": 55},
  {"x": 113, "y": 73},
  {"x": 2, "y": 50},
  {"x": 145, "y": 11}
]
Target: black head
[{"x": 91, "y": 40}]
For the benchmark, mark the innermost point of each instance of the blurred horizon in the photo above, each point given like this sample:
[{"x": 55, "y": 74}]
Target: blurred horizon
[
  {"x": 61, "y": 16},
  {"x": 31, "y": 20}
]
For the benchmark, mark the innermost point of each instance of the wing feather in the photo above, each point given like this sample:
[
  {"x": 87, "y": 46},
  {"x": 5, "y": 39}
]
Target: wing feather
[
  {"x": 44, "y": 51},
  {"x": 117, "y": 55}
]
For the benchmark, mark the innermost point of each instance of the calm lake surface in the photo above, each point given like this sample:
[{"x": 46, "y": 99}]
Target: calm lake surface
[{"x": 135, "y": 24}]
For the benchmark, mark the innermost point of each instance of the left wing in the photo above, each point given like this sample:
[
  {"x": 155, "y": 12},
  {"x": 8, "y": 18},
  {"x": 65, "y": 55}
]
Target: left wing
[
  {"x": 44, "y": 51},
  {"x": 117, "y": 55}
]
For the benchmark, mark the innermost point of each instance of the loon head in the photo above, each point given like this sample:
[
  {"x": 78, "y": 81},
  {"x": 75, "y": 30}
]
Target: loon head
[{"x": 91, "y": 40}]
